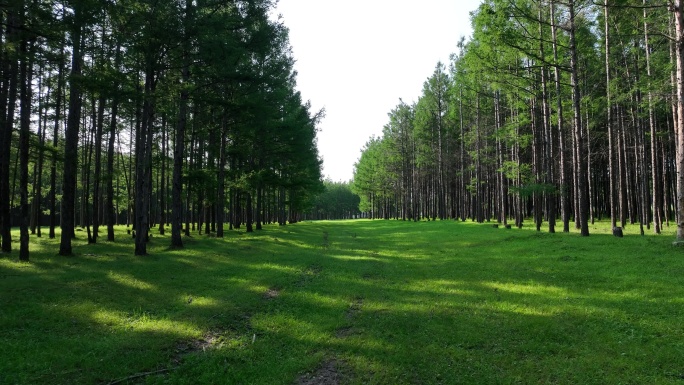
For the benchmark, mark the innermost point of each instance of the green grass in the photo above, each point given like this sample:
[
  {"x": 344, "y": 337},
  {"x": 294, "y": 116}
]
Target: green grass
[{"x": 386, "y": 302}]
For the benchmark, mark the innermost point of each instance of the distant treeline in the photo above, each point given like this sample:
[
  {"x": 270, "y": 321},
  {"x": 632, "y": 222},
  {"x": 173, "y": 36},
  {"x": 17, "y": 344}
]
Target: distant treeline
[{"x": 336, "y": 201}]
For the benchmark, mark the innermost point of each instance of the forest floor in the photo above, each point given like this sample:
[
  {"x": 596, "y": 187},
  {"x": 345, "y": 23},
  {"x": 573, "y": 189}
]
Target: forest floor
[{"x": 350, "y": 302}]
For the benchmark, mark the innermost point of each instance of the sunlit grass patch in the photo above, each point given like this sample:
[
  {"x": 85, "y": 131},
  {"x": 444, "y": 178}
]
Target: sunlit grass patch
[{"x": 389, "y": 301}]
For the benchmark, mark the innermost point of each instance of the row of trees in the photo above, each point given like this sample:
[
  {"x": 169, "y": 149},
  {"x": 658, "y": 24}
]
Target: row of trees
[
  {"x": 153, "y": 112},
  {"x": 554, "y": 110},
  {"x": 336, "y": 201}
]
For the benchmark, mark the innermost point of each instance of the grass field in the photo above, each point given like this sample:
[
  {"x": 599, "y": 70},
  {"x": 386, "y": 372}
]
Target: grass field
[{"x": 354, "y": 302}]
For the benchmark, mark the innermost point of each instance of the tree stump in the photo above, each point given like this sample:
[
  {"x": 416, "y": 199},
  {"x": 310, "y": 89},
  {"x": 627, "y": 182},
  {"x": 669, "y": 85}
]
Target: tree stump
[{"x": 617, "y": 231}]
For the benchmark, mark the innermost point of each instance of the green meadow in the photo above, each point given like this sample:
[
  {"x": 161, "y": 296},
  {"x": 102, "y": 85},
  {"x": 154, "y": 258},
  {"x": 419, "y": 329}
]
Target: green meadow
[{"x": 350, "y": 302}]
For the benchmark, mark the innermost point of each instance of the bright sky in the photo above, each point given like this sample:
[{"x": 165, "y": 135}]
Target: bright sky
[{"x": 357, "y": 58}]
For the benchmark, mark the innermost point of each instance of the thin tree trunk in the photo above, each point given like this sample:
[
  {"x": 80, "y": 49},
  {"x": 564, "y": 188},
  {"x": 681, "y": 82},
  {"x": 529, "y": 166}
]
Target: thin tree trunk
[
  {"x": 609, "y": 122},
  {"x": 110, "y": 212},
  {"x": 55, "y": 142},
  {"x": 563, "y": 177},
  {"x": 163, "y": 186},
  {"x": 98, "y": 168},
  {"x": 71, "y": 140},
  {"x": 25, "y": 78},
  {"x": 656, "y": 193},
  {"x": 38, "y": 198},
  {"x": 579, "y": 139}
]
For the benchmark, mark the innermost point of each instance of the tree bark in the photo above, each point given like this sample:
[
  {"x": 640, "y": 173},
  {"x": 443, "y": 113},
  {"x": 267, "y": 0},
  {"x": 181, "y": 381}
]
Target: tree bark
[
  {"x": 143, "y": 165},
  {"x": 71, "y": 139},
  {"x": 98, "y": 168},
  {"x": 10, "y": 80},
  {"x": 55, "y": 142},
  {"x": 679, "y": 55},
  {"x": 25, "y": 77},
  {"x": 111, "y": 213},
  {"x": 582, "y": 192},
  {"x": 656, "y": 189}
]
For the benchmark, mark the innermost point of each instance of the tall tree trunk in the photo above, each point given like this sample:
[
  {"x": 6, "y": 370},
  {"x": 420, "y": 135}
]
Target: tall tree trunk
[
  {"x": 656, "y": 189},
  {"x": 679, "y": 54},
  {"x": 162, "y": 180},
  {"x": 579, "y": 139},
  {"x": 111, "y": 213},
  {"x": 10, "y": 79},
  {"x": 38, "y": 168},
  {"x": 563, "y": 177},
  {"x": 55, "y": 142},
  {"x": 143, "y": 166},
  {"x": 25, "y": 78},
  {"x": 547, "y": 138},
  {"x": 609, "y": 122},
  {"x": 179, "y": 142},
  {"x": 71, "y": 139},
  {"x": 98, "y": 168}
]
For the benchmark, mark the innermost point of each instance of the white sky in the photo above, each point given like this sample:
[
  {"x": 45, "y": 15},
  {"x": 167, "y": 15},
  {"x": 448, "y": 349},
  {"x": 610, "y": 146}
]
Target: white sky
[{"x": 356, "y": 58}]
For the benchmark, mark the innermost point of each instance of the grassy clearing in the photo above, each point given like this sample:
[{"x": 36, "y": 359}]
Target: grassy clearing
[{"x": 381, "y": 302}]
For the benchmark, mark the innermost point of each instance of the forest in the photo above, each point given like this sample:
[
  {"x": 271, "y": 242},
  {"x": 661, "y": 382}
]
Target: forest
[
  {"x": 133, "y": 128},
  {"x": 184, "y": 116},
  {"x": 553, "y": 111},
  {"x": 175, "y": 115}
]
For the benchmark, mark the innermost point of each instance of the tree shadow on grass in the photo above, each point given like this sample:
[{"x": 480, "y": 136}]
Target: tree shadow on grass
[{"x": 392, "y": 305}]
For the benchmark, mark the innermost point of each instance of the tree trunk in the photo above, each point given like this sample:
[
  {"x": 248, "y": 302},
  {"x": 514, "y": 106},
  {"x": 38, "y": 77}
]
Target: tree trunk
[
  {"x": 111, "y": 213},
  {"x": 563, "y": 177},
  {"x": 679, "y": 54},
  {"x": 10, "y": 73},
  {"x": 143, "y": 166},
  {"x": 609, "y": 123},
  {"x": 656, "y": 189},
  {"x": 36, "y": 212},
  {"x": 55, "y": 142},
  {"x": 71, "y": 140},
  {"x": 579, "y": 139},
  {"x": 25, "y": 77},
  {"x": 98, "y": 168}
]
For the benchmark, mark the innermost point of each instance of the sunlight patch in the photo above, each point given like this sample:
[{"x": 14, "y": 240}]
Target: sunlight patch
[
  {"x": 273, "y": 266},
  {"x": 18, "y": 266},
  {"x": 130, "y": 281},
  {"x": 143, "y": 321},
  {"x": 442, "y": 286},
  {"x": 356, "y": 258},
  {"x": 198, "y": 301},
  {"x": 534, "y": 289}
]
